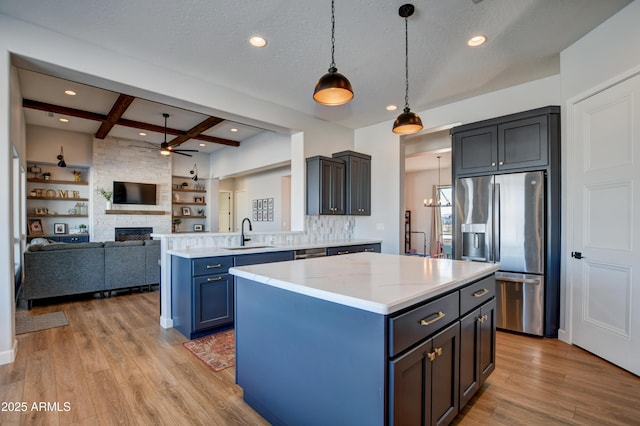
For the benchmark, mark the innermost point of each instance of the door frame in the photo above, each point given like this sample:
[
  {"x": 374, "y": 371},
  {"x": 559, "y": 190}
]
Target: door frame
[{"x": 570, "y": 163}]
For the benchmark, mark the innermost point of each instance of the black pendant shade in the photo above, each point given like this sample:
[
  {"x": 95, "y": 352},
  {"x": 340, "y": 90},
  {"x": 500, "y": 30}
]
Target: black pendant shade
[
  {"x": 333, "y": 88},
  {"x": 60, "y": 158},
  {"x": 408, "y": 122}
]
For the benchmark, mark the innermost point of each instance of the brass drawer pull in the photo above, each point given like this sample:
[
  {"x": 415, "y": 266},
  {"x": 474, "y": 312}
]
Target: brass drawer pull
[
  {"x": 344, "y": 252},
  {"x": 369, "y": 249},
  {"x": 438, "y": 317},
  {"x": 480, "y": 293},
  {"x": 214, "y": 266},
  {"x": 431, "y": 356},
  {"x": 214, "y": 279},
  {"x": 439, "y": 351}
]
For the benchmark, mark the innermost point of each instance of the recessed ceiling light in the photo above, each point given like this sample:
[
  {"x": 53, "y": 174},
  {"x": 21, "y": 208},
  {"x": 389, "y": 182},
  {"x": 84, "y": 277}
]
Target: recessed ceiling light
[
  {"x": 257, "y": 41},
  {"x": 142, "y": 134},
  {"x": 70, "y": 92},
  {"x": 202, "y": 144},
  {"x": 392, "y": 107},
  {"x": 233, "y": 129},
  {"x": 63, "y": 120},
  {"x": 476, "y": 40}
]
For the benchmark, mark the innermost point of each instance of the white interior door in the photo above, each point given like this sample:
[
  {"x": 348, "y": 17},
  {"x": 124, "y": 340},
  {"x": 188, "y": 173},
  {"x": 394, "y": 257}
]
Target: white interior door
[
  {"x": 605, "y": 316},
  {"x": 224, "y": 211},
  {"x": 241, "y": 208}
]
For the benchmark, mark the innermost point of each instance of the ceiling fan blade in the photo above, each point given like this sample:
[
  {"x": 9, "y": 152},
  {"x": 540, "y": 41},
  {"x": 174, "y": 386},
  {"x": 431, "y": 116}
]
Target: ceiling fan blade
[
  {"x": 176, "y": 152},
  {"x": 184, "y": 150}
]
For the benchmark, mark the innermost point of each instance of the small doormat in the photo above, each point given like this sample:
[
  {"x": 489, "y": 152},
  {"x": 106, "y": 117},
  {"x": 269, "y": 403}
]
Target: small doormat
[
  {"x": 28, "y": 324},
  {"x": 217, "y": 351}
]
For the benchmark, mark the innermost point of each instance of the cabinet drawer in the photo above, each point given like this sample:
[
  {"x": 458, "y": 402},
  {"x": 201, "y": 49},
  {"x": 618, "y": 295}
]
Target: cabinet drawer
[
  {"x": 419, "y": 323},
  {"x": 477, "y": 293},
  {"x": 212, "y": 265}
]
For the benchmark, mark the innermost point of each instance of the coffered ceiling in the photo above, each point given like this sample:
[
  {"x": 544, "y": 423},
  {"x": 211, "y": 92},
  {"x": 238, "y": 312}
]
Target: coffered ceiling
[{"x": 208, "y": 40}]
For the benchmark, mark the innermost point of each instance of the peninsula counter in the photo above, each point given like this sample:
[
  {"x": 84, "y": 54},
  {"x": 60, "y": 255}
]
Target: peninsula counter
[{"x": 366, "y": 338}]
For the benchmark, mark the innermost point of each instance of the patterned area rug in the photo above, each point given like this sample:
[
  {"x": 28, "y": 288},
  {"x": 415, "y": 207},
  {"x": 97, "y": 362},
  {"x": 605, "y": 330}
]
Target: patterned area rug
[
  {"x": 217, "y": 351},
  {"x": 28, "y": 324}
]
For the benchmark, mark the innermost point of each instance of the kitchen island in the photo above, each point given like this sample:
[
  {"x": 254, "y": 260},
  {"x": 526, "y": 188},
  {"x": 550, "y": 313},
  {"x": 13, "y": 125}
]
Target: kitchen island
[{"x": 367, "y": 338}]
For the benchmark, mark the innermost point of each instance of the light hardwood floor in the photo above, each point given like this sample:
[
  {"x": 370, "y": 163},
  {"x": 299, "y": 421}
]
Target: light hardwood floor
[{"x": 115, "y": 365}]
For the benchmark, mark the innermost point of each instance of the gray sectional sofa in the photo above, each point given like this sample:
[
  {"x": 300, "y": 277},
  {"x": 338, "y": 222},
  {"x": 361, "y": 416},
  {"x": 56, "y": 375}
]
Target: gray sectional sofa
[{"x": 59, "y": 269}]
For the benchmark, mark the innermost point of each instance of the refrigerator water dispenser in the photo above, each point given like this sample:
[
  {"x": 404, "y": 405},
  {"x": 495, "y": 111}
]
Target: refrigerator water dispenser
[{"x": 473, "y": 241}]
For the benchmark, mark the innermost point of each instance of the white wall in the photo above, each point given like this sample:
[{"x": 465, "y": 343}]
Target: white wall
[
  {"x": 267, "y": 184},
  {"x": 44, "y": 146},
  {"x": 251, "y": 155},
  {"x": 602, "y": 57}
]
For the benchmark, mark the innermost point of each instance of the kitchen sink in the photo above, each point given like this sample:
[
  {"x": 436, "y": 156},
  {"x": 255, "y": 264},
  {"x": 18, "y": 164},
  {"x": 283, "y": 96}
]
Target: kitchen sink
[{"x": 247, "y": 247}]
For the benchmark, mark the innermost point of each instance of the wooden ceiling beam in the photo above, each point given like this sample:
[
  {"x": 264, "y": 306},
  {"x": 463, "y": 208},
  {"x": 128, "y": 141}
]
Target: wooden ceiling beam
[
  {"x": 196, "y": 130},
  {"x": 117, "y": 110},
  {"x": 73, "y": 112}
]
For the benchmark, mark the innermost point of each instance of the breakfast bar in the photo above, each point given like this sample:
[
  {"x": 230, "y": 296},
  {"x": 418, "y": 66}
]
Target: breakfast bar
[{"x": 366, "y": 338}]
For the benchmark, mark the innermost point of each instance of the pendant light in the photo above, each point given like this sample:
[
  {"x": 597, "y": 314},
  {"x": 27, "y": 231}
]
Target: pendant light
[
  {"x": 408, "y": 122},
  {"x": 438, "y": 201},
  {"x": 60, "y": 158},
  {"x": 333, "y": 88}
]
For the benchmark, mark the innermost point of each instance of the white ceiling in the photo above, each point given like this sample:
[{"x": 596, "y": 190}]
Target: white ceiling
[{"x": 207, "y": 39}]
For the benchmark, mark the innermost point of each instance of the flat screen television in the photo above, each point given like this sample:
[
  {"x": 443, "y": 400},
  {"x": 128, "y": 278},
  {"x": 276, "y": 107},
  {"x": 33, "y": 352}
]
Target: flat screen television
[{"x": 134, "y": 193}]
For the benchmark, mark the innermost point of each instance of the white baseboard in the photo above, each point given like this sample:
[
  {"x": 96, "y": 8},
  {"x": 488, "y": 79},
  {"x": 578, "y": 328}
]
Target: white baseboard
[
  {"x": 166, "y": 322},
  {"x": 7, "y": 357},
  {"x": 563, "y": 336}
]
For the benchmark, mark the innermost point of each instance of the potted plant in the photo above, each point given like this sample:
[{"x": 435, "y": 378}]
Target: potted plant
[
  {"x": 83, "y": 228},
  {"x": 176, "y": 223},
  {"x": 107, "y": 196},
  {"x": 46, "y": 176}
]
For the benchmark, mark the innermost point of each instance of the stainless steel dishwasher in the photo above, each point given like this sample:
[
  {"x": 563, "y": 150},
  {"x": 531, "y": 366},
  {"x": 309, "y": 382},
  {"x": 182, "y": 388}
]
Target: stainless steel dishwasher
[{"x": 309, "y": 253}]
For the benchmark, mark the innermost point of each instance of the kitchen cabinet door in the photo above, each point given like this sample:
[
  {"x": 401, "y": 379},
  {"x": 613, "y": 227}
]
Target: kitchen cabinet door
[
  {"x": 212, "y": 301},
  {"x": 325, "y": 186},
  {"x": 424, "y": 381},
  {"x": 476, "y": 150},
  {"x": 358, "y": 182},
  {"x": 477, "y": 349},
  {"x": 523, "y": 143}
]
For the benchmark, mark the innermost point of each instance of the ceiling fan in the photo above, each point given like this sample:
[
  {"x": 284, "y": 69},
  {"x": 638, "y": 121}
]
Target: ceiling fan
[{"x": 165, "y": 149}]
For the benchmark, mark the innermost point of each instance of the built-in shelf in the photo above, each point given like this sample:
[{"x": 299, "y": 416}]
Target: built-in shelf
[
  {"x": 190, "y": 204},
  {"x": 189, "y": 217},
  {"x": 58, "y": 198},
  {"x": 201, "y": 191},
  {"x": 60, "y": 182},
  {"x": 40, "y": 216},
  {"x": 141, "y": 212}
]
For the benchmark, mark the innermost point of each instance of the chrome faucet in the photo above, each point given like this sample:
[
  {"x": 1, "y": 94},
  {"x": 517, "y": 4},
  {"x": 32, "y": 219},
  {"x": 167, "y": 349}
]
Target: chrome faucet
[{"x": 242, "y": 238}]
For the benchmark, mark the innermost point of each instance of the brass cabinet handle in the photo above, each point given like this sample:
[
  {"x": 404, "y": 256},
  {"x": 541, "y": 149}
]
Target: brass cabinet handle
[
  {"x": 501, "y": 163},
  {"x": 344, "y": 252},
  {"x": 482, "y": 319},
  {"x": 493, "y": 164},
  {"x": 438, "y": 317},
  {"x": 439, "y": 351},
  {"x": 368, "y": 249},
  {"x": 431, "y": 356},
  {"x": 214, "y": 279},
  {"x": 481, "y": 293},
  {"x": 214, "y": 266}
]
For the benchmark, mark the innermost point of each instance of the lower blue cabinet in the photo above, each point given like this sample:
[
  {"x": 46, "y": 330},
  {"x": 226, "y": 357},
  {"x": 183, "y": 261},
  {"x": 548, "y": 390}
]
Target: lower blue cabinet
[{"x": 212, "y": 301}]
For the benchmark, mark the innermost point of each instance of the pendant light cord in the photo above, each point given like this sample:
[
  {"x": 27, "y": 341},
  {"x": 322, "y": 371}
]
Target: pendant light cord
[
  {"x": 332, "y": 66},
  {"x": 406, "y": 63}
]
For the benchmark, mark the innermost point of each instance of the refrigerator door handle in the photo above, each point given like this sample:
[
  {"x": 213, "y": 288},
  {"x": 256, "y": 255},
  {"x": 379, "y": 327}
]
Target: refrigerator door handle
[
  {"x": 496, "y": 223},
  {"x": 519, "y": 280}
]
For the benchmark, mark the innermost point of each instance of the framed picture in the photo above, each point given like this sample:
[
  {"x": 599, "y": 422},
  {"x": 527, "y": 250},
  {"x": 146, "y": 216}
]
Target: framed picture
[
  {"x": 270, "y": 204},
  {"x": 270, "y": 216},
  {"x": 255, "y": 216},
  {"x": 198, "y": 227},
  {"x": 255, "y": 204},
  {"x": 35, "y": 227},
  {"x": 264, "y": 203},
  {"x": 59, "y": 228},
  {"x": 259, "y": 204},
  {"x": 259, "y": 215},
  {"x": 186, "y": 211},
  {"x": 198, "y": 199}
]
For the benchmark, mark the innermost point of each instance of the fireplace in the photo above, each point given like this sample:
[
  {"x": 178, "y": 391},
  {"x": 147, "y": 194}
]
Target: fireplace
[{"x": 128, "y": 234}]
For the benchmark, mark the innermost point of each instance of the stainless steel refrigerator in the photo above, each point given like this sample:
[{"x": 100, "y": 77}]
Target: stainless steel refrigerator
[{"x": 501, "y": 219}]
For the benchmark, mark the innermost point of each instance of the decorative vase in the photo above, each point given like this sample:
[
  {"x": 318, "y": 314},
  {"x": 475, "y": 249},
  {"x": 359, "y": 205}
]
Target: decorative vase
[{"x": 108, "y": 206}]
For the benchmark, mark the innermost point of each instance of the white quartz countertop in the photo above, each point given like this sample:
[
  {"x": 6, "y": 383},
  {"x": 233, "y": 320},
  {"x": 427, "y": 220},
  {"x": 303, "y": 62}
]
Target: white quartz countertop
[
  {"x": 194, "y": 253},
  {"x": 375, "y": 282}
]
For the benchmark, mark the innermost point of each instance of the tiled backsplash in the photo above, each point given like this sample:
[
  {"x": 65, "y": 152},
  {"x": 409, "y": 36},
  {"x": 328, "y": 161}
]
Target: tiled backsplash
[{"x": 317, "y": 229}]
